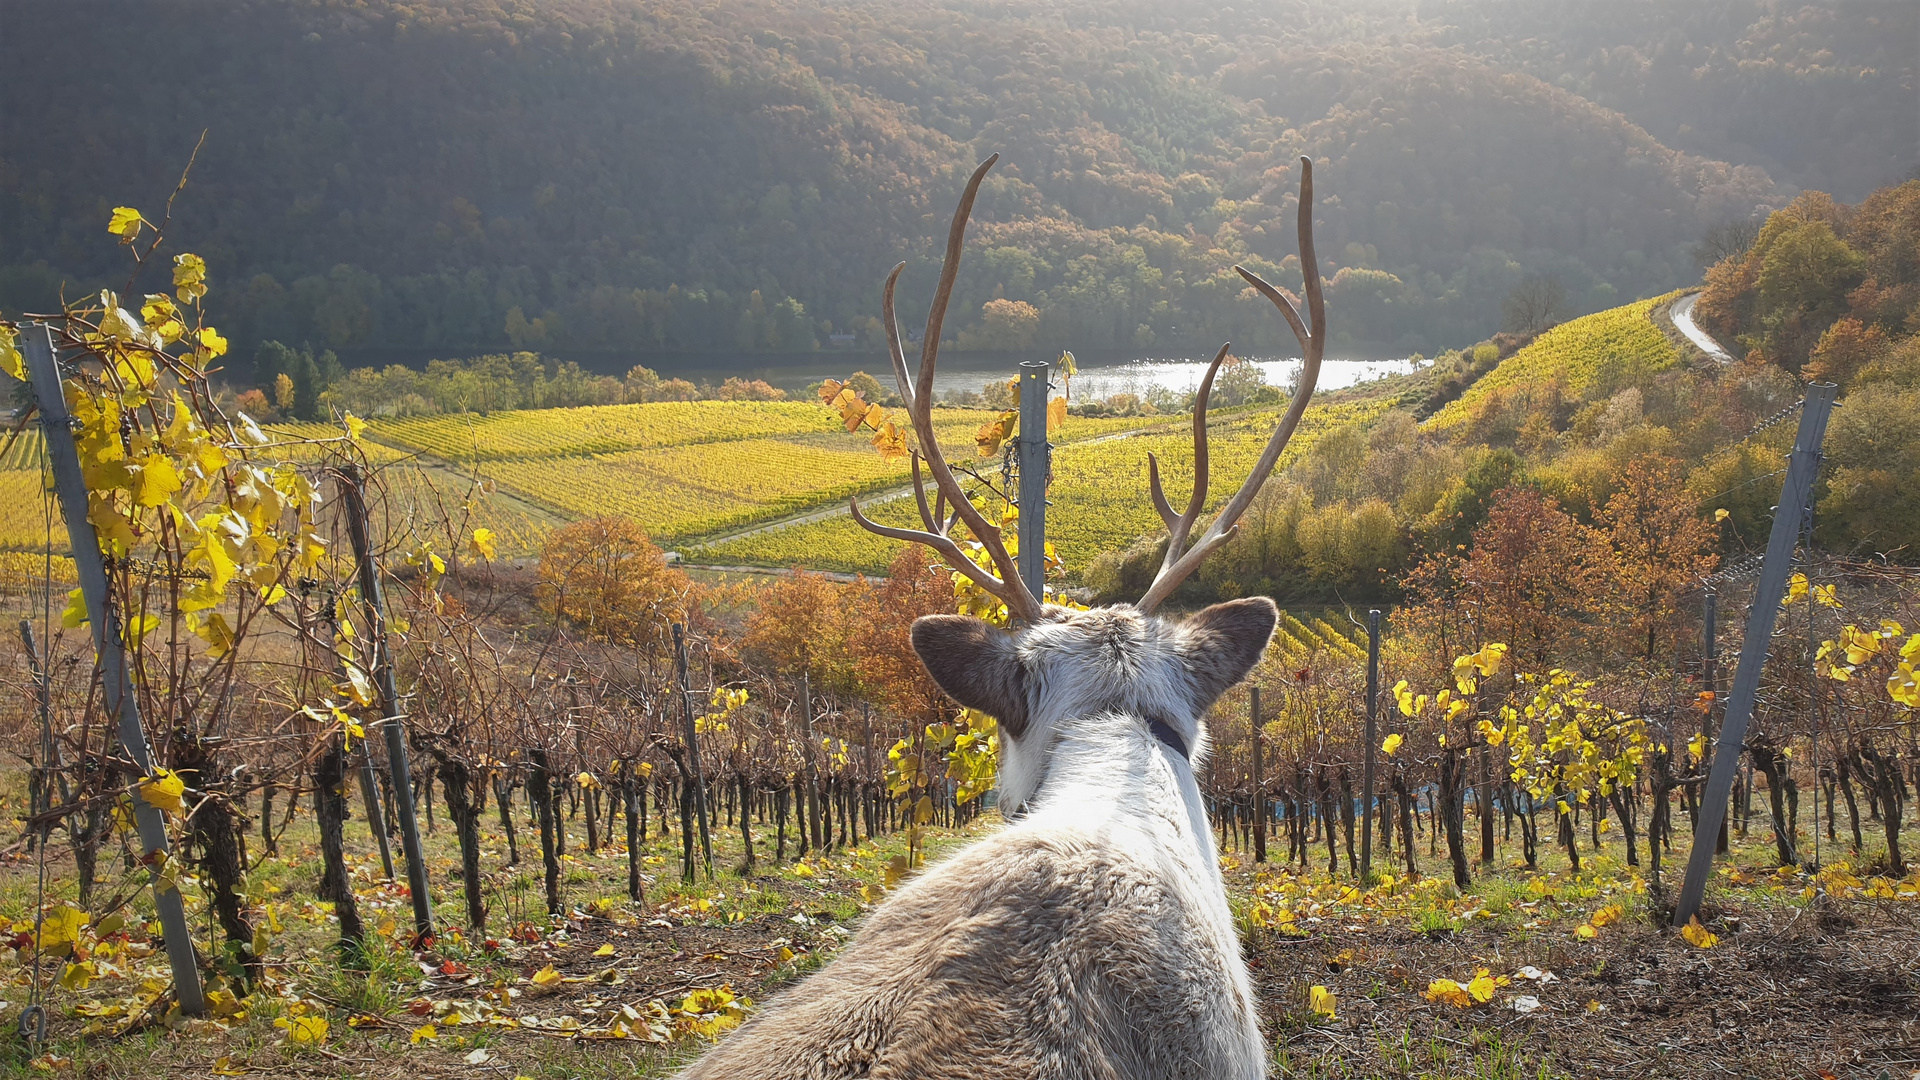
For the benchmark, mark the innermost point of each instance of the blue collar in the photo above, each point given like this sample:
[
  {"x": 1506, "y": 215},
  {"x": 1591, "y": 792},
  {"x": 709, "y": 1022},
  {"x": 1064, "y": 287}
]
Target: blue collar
[{"x": 1165, "y": 733}]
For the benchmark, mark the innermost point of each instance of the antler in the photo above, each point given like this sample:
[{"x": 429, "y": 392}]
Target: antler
[
  {"x": 918, "y": 395},
  {"x": 1181, "y": 561}
]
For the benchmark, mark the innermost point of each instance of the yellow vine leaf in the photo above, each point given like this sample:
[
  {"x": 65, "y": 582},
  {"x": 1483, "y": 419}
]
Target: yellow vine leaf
[
  {"x": 1391, "y": 743},
  {"x": 164, "y": 789},
  {"x": 1448, "y": 992},
  {"x": 77, "y": 976},
  {"x": 62, "y": 926},
  {"x": 1609, "y": 914},
  {"x": 890, "y": 441},
  {"x": 1699, "y": 936},
  {"x": 11, "y": 361},
  {"x": 358, "y": 686},
  {"x": 75, "y": 614},
  {"x": 189, "y": 277},
  {"x": 1903, "y": 685},
  {"x": 1585, "y": 931},
  {"x": 604, "y": 950},
  {"x": 304, "y": 1030},
  {"x": 125, "y": 223},
  {"x": 546, "y": 977},
  {"x": 422, "y": 1034},
  {"x": 1056, "y": 413},
  {"x": 356, "y": 427},
  {"x": 483, "y": 544},
  {"x": 1482, "y": 986},
  {"x": 1321, "y": 1000}
]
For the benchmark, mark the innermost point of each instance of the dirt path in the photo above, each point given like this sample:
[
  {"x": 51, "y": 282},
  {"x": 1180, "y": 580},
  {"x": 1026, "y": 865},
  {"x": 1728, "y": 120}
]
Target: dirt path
[{"x": 1682, "y": 314}]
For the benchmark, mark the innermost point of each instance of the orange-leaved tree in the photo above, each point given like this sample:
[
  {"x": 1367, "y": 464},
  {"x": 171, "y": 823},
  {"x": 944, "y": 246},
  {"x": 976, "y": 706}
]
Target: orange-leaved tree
[
  {"x": 1664, "y": 548},
  {"x": 604, "y": 576}
]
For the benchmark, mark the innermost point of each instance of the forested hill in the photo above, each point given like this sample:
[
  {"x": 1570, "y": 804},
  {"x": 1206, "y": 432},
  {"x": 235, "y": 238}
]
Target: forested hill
[{"x": 625, "y": 175}]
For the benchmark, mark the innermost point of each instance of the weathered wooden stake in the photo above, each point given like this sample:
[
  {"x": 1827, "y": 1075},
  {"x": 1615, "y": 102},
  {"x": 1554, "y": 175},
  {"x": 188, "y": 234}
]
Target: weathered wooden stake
[
  {"x": 1802, "y": 466},
  {"x": 1372, "y": 741},
  {"x": 392, "y": 722},
  {"x": 116, "y": 678},
  {"x": 1259, "y": 777},
  {"x": 693, "y": 743},
  {"x": 1033, "y": 477}
]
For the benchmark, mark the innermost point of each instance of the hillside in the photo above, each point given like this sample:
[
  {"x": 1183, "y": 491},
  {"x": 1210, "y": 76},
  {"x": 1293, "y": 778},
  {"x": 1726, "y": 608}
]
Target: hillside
[{"x": 611, "y": 177}]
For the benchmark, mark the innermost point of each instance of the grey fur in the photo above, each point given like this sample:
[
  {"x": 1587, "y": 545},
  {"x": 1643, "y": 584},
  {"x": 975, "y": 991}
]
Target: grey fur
[{"x": 1091, "y": 937}]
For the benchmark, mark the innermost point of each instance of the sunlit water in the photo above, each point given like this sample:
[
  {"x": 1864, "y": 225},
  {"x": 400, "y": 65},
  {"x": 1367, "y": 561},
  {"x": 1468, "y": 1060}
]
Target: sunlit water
[
  {"x": 1099, "y": 376},
  {"x": 1142, "y": 377}
]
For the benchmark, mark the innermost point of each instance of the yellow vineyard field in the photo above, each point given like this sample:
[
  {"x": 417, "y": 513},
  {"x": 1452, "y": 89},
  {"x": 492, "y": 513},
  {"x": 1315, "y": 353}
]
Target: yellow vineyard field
[
  {"x": 1613, "y": 347},
  {"x": 21, "y": 450},
  {"x": 1099, "y": 498},
  {"x": 683, "y": 491},
  {"x": 610, "y": 429},
  {"x": 23, "y": 523},
  {"x": 601, "y": 429}
]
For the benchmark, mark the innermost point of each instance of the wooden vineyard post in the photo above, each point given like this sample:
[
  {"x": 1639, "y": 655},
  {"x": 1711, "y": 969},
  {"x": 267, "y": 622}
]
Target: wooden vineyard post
[
  {"x": 1259, "y": 777},
  {"x": 1034, "y": 465},
  {"x": 116, "y": 679},
  {"x": 1372, "y": 741},
  {"x": 866, "y": 795},
  {"x": 695, "y": 773},
  {"x": 391, "y": 723},
  {"x": 370, "y": 795},
  {"x": 47, "y": 771},
  {"x": 1802, "y": 466},
  {"x": 1712, "y": 678}
]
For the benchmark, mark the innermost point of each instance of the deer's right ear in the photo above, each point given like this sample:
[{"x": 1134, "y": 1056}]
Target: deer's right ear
[{"x": 976, "y": 665}]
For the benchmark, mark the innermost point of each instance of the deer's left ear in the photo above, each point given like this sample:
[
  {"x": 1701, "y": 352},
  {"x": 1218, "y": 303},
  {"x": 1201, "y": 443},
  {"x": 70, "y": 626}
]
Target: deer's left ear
[
  {"x": 976, "y": 665},
  {"x": 1222, "y": 643}
]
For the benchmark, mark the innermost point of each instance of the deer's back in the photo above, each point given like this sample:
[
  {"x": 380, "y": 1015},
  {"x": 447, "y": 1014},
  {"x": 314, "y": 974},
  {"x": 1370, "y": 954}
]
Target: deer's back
[{"x": 1031, "y": 954}]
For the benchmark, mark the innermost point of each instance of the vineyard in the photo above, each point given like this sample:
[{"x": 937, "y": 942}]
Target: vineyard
[
  {"x": 1589, "y": 356},
  {"x": 599, "y": 429},
  {"x": 1098, "y": 506}
]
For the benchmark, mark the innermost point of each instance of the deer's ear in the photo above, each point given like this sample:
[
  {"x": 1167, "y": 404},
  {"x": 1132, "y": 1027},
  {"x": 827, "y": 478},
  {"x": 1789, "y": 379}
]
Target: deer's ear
[
  {"x": 976, "y": 665},
  {"x": 1224, "y": 642}
]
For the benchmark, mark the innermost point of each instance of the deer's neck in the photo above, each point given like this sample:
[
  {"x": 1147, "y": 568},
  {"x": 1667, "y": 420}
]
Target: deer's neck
[{"x": 1110, "y": 772}]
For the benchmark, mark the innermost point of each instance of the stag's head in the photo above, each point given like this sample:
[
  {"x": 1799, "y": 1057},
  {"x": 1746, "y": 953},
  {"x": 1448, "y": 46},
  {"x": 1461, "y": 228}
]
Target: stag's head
[{"x": 1057, "y": 663}]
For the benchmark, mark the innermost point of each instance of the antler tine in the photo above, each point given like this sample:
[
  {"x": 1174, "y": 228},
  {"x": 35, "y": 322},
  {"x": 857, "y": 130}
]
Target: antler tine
[
  {"x": 1008, "y": 587},
  {"x": 928, "y": 517},
  {"x": 1178, "y": 526},
  {"x": 898, "y": 355},
  {"x": 1312, "y": 333}
]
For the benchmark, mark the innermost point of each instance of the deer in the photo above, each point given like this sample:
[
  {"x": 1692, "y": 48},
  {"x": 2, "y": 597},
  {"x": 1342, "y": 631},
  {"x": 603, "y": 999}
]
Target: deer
[{"x": 1089, "y": 936}]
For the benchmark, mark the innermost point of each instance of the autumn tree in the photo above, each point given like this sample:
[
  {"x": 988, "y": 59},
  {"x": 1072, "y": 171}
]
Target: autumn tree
[
  {"x": 604, "y": 576},
  {"x": 889, "y": 670},
  {"x": 1533, "y": 577},
  {"x": 803, "y": 625},
  {"x": 1663, "y": 548}
]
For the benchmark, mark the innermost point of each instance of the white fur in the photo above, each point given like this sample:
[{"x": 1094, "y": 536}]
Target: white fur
[{"x": 1091, "y": 935}]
